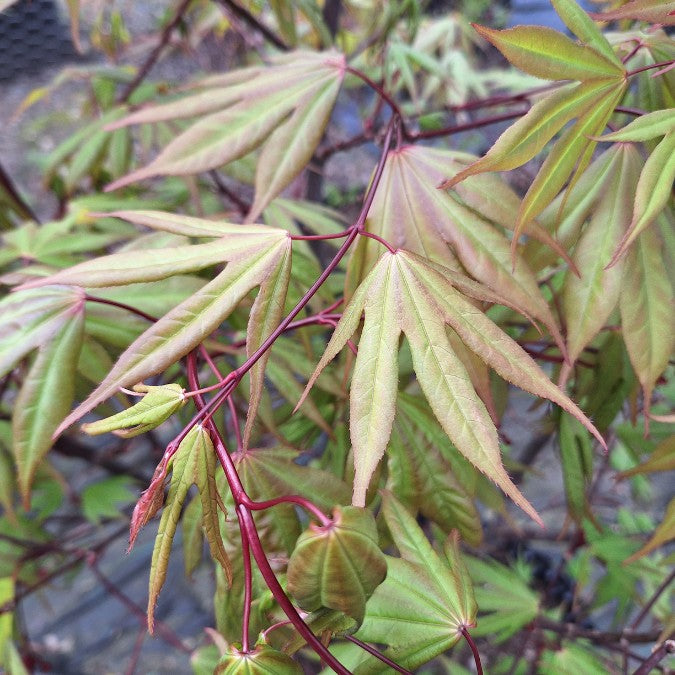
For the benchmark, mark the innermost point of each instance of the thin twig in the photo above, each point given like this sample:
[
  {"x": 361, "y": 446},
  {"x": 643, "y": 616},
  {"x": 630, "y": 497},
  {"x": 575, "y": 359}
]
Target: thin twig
[
  {"x": 155, "y": 53},
  {"x": 655, "y": 596},
  {"x": 660, "y": 653},
  {"x": 377, "y": 654},
  {"x": 253, "y": 22}
]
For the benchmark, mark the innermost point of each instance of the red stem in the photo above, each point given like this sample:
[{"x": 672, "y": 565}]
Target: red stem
[
  {"x": 321, "y": 237},
  {"x": 288, "y": 499},
  {"x": 120, "y": 305},
  {"x": 474, "y": 650},
  {"x": 280, "y": 596},
  {"x": 377, "y": 654},
  {"x": 248, "y": 587},
  {"x": 662, "y": 64}
]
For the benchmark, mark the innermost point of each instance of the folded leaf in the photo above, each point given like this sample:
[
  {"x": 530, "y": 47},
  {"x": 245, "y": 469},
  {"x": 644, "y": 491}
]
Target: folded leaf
[{"x": 156, "y": 406}]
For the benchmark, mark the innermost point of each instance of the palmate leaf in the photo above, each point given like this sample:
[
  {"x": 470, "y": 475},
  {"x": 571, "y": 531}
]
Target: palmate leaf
[
  {"x": 423, "y": 604},
  {"x": 602, "y": 83},
  {"x": 285, "y": 106},
  {"x": 253, "y": 254},
  {"x": 410, "y": 213},
  {"x": 192, "y": 464},
  {"x": 588, "y": 300},
  {"x": 404, "y": 293}
]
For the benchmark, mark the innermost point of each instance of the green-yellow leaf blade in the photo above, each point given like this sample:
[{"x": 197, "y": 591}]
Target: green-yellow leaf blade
[
  {"x": 45, "y": 398},
  {"x": 548, "y": 54}
]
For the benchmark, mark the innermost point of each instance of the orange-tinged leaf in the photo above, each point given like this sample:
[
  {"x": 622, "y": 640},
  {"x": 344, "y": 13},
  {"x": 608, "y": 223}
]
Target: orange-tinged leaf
[
  {"x": 149, "y": 503},
  {"x": 188, "y": 324},
  {"x": 646, "y": 304},
  {"x": 548, "y": 54},
  {"x": 653, "y": 11},
  {"x": 589, "y": 300},
  {"x": 45, "y": 398}
]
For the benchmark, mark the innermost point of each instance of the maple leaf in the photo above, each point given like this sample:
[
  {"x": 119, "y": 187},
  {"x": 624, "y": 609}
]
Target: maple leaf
[
  {"x": 405, "y": 293},
  {"x": 283, "y": 107},
  {"x": 550, "y": 55}
]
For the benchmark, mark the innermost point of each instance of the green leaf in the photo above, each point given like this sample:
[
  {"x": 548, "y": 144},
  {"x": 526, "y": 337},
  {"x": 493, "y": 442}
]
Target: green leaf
[
  {"x": 189, "y": 324},
  {"x": 644, "y": 128},
  {"x": 576, "y": 456},
  {"x": 191, "y": 464},
  {"x": 578, "y": 21},
  {"x": 646, "y": 311},
  {"x": 32, "y": 318},
  {"x": 589, "y": 300},
  {"x": 550, "y": 55},
  {"x": 338, "y": 565},
  {"x": 662, "y": 458},
  {"x": 45, "y": 398},
  {"x": 506, "y": 597},
  {"x": 422, "y": 480},
  {"x": 156, "y": 406},
  {"x": 664, "y": 533},
  {"x": 420, "y": 301},
  {"x": 266, "y": 313},
  {"x": 285, "y": 106},
  {"x": 263, "y": 660},
  {"x": 104, "y": 498},
  {"x": 192, "y": 535},
  {"x": 653, "y": 192},
  {"x": 423, "y": 604}
]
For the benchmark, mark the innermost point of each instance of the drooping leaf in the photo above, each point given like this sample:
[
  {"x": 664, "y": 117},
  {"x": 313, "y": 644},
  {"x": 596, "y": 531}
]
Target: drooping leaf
[
  {"x": 339, "y": 565},
  {"x": 188, "y": 324},
  {"x": 284, "y": 107},
  {"x": 646, "y": 303},
  {"x": 45, "y": 398},
  {"x": 588, "y": 300},
  {"x": 265, "y": 315},
  {"x": 577, "y": 465},
  {"x": 156, "y": 406},
  {"x": 420, "y": 301},
  {"x": 192, "y": 463},
  {"x": 653, "y": 192}
]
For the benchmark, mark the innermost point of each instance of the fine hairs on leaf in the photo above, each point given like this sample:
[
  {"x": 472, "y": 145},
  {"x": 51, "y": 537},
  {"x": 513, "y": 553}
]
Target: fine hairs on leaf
[{"x": 366, "y": 307}]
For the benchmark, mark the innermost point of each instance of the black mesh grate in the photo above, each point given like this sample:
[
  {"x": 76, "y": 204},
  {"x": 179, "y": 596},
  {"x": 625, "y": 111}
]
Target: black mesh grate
[{"x": 32, "y": 37}]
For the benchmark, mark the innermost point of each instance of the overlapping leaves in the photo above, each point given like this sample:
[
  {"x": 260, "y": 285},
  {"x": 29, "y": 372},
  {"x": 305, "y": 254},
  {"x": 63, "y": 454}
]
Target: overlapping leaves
[
  {"x": 425, "y": 602},
  {"x": 50, "y": 321},
  {"x": 405, "y": 293},
  {"x": 283, "y": 107},
  {"x": 255, "y": 256},
  {"x": 550, "y": 55}
]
